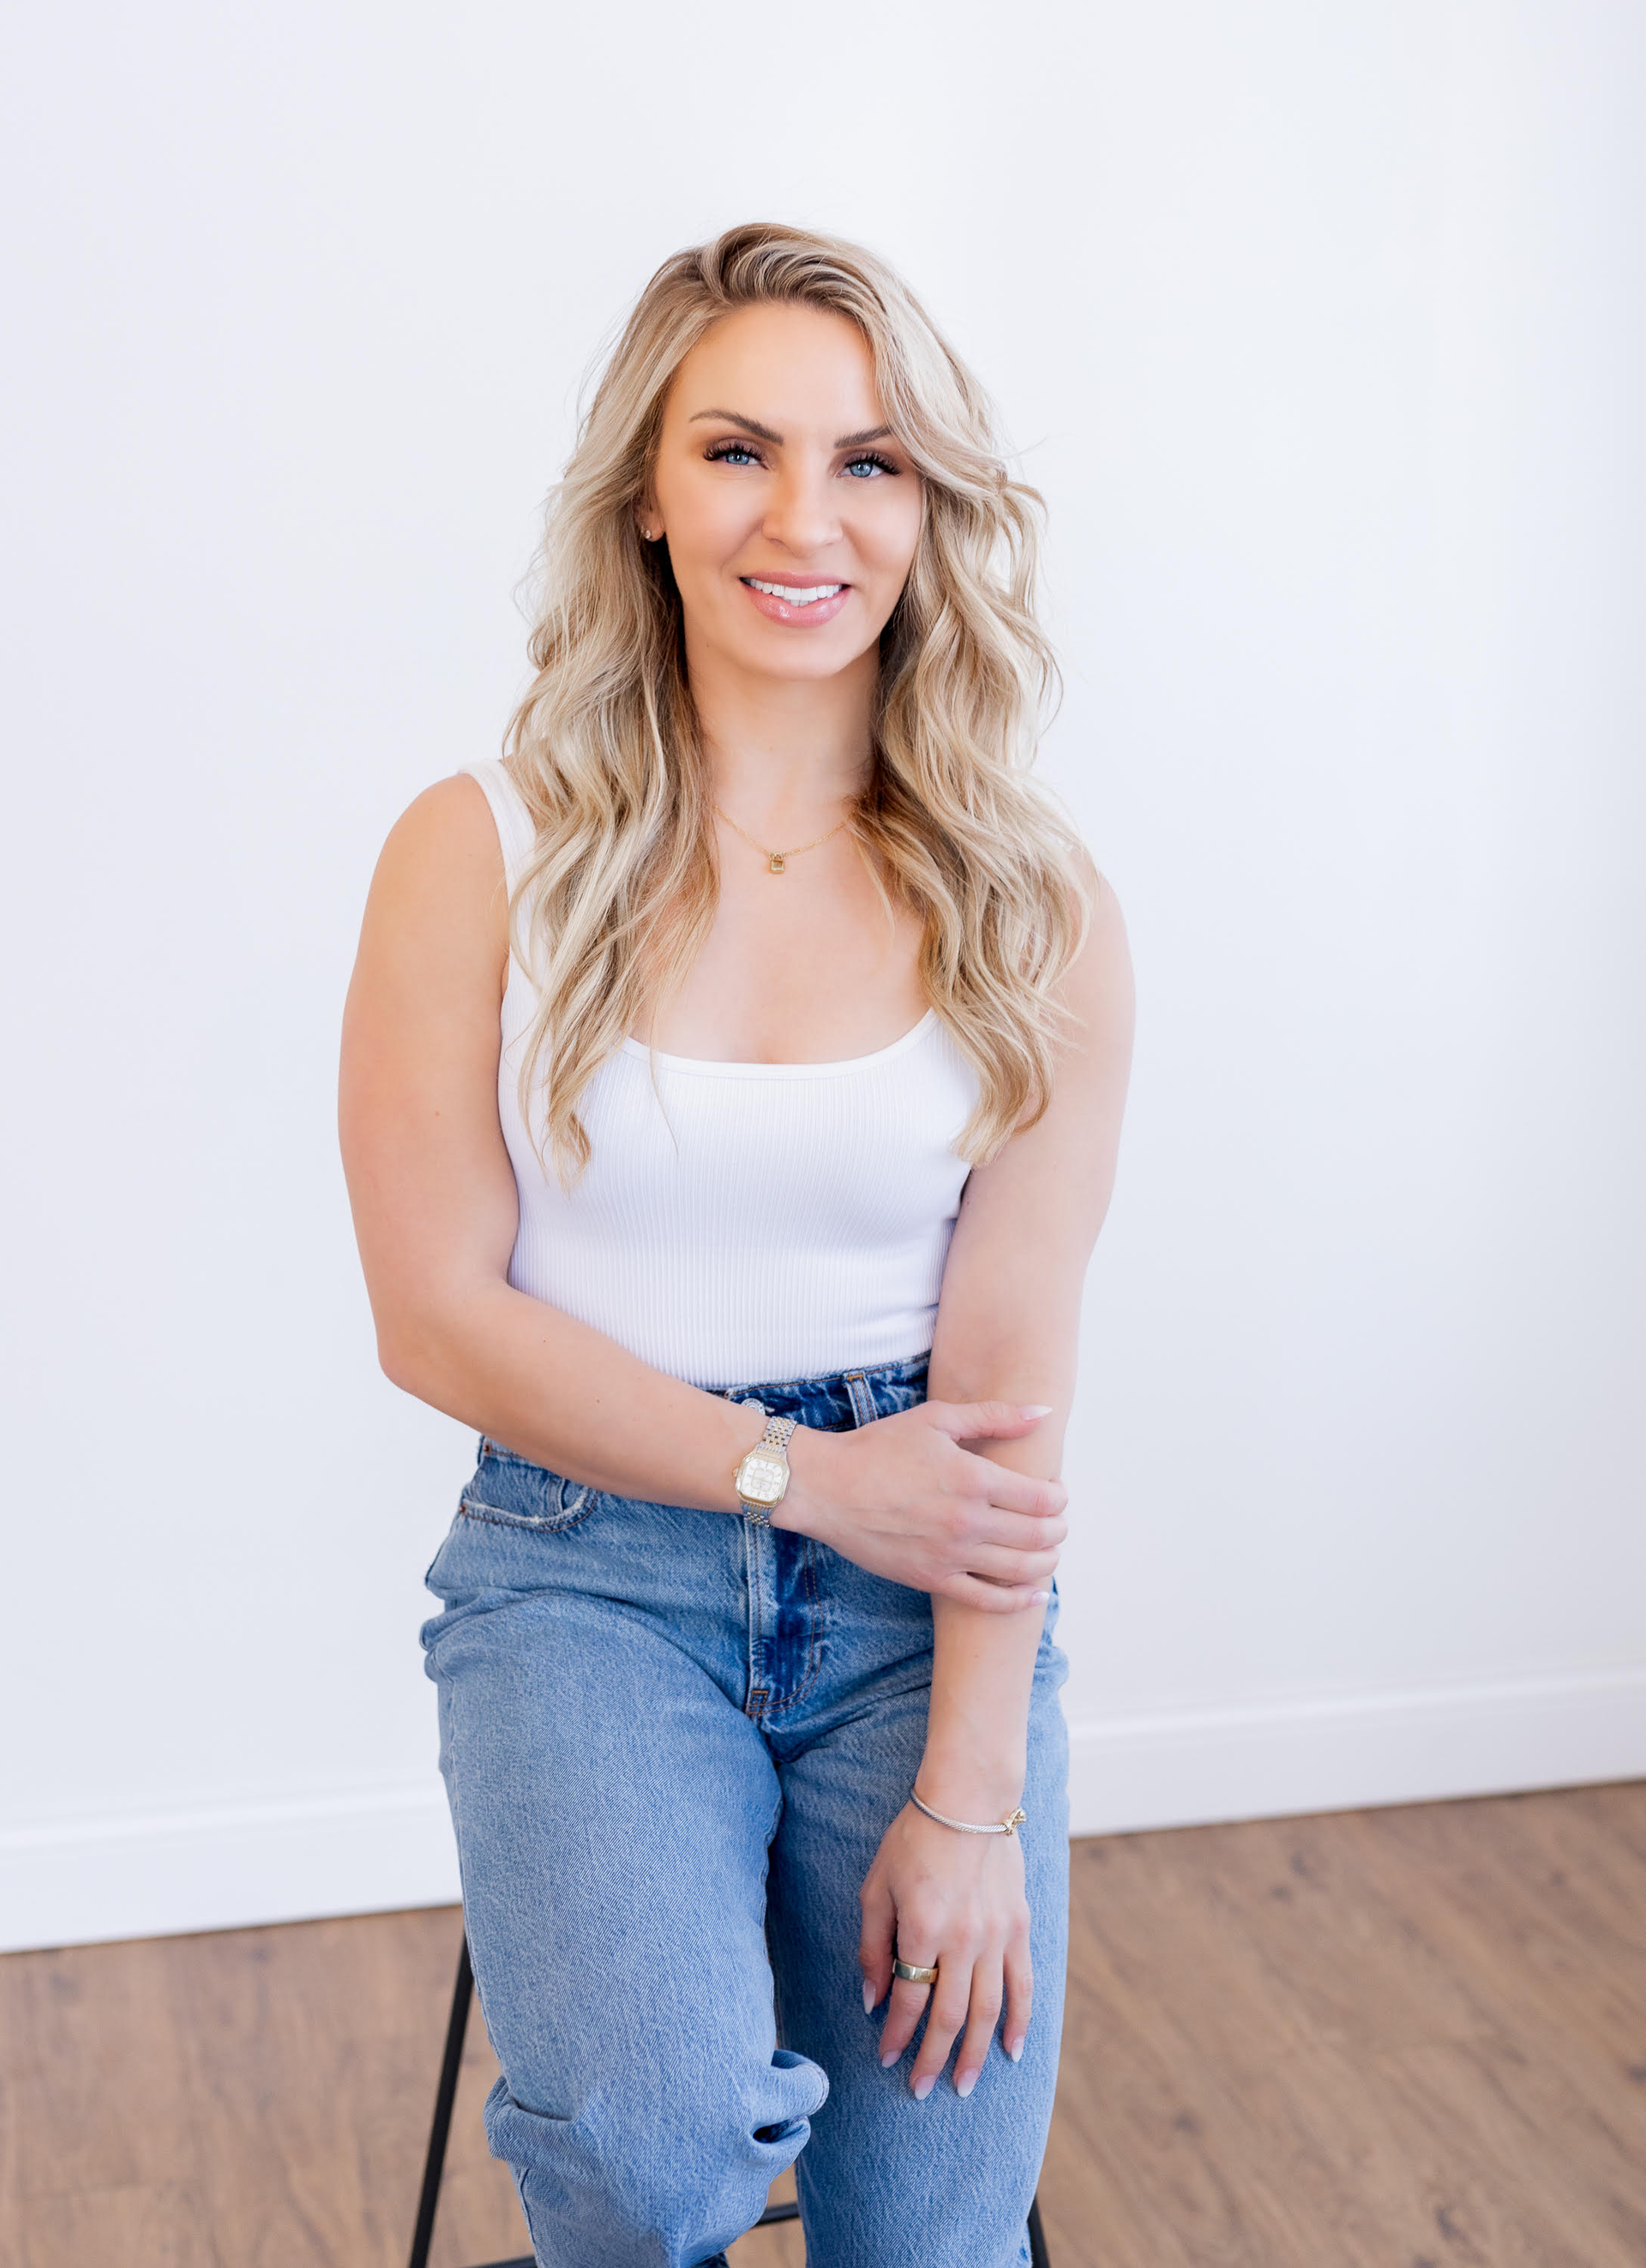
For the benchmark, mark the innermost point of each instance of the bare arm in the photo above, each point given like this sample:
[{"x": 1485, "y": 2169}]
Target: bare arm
[
  {"x": 1008, "y": 1326},
  {"x": 433, "y": 1193},
  {"x": 435, "y": 1214}
]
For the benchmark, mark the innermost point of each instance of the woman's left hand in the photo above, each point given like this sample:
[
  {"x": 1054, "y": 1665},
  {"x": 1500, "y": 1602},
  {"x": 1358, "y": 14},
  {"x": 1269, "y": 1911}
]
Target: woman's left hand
[{"x": 938, "y": 1899}]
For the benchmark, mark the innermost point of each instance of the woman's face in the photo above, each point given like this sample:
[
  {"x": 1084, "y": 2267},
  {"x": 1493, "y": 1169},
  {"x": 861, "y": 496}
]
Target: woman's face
[{"x": 791, "y": 515}]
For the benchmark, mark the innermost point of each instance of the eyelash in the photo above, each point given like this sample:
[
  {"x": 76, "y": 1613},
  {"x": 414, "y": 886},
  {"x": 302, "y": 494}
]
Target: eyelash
[{"x": 720, "y": 452}]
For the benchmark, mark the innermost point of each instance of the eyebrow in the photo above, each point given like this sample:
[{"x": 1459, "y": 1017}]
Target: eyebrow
[{"x": 765, "y": 433}]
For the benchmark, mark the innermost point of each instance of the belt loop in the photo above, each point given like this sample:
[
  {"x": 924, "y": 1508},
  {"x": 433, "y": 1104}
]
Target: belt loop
[{"x": 862, "y": 1411}]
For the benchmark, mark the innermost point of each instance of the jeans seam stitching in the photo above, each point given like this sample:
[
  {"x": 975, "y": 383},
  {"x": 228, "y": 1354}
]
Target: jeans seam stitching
[
  {"x": 495, "y": 1518},
  {"x": 758, "y": 1695}
]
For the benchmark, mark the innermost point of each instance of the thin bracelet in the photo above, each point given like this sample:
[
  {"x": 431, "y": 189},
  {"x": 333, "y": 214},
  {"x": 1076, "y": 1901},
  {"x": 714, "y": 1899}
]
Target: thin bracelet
[{"x": 963, "y": 1826}]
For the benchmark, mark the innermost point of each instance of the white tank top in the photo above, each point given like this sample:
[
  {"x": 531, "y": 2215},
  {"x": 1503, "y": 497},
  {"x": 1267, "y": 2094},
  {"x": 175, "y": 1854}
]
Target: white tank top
[{"x": 744, "y": 1223}]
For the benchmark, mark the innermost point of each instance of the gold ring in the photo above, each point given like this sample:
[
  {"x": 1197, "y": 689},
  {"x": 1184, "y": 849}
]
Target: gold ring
[{"x": 912, "y": 1975}]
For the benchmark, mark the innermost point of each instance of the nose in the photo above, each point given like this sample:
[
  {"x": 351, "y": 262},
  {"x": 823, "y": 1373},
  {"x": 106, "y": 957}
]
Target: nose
[{"x": 802, "y": 515}]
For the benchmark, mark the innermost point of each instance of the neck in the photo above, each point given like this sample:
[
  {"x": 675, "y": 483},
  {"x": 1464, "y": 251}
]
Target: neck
[{"x": 782, "y": 750}]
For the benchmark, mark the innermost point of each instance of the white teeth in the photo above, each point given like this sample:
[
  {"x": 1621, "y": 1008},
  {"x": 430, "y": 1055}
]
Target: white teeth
[{"x": 792, "y": 597}]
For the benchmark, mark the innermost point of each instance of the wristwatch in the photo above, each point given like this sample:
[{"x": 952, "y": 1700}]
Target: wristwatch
[{"x": 762, "y": 1473}]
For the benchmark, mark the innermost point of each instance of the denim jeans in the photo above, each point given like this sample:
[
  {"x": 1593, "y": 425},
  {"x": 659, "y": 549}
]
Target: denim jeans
[{"x": 672, "y": 1741}]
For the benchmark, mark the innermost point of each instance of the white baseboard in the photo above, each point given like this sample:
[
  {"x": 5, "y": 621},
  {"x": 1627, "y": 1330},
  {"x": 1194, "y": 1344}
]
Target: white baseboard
[
  {"x": 380, "y": 1849},
  {"x": 1193, "y": 1767},
  {"x": 370, "y": 1851}
]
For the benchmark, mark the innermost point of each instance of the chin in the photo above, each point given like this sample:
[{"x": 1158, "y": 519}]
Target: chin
[{"x": 817, "y": 661}]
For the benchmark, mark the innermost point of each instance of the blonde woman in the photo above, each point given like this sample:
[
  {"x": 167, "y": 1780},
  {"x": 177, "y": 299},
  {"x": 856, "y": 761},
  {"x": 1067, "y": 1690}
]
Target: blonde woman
[{"x": 731, "y": 1087}]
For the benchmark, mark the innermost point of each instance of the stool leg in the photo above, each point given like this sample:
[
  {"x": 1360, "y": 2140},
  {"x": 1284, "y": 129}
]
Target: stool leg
[
  {"x": 446, "y": 2096},
  {"x": 1038, "y": 2256}
]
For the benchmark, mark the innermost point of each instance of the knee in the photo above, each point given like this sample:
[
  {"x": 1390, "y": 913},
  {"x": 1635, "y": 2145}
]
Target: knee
[{"x": 659, "y": 2173}]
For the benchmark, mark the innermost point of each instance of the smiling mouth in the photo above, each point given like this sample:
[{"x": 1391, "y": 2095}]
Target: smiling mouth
[{"x": 796, "y": 594}]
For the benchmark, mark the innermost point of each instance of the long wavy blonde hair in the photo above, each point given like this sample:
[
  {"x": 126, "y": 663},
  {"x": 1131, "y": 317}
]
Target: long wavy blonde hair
[{"x": 620, "y": 889}]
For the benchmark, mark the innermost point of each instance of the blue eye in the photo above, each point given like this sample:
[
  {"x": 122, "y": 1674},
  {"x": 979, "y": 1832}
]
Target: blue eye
[
  {"x": 726, "y": 452},
  {"x": 865, "y": 468}
]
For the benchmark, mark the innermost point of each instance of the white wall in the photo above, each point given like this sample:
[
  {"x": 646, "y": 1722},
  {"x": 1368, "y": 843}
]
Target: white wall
[{"x": 1322, "y": 329}]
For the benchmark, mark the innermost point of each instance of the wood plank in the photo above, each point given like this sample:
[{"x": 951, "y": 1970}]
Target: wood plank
[
  {"x": 141, "y": 2226},
  {"x": 1549, "y": 1936},
  {"x": 101, "y": 2098}
]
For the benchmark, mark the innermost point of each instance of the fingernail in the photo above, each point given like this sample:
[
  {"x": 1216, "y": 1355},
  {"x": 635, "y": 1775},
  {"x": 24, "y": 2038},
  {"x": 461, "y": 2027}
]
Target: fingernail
[
  {"x": 964, "y": 2083},
  {"x": 1041, "y": 1598},
  {"x": 1036, "y": 1409},
  {"x": 888, "y": 2060},
  {"x": 1014, "y": 2049},
  {"x": 868, "y": 1997},
  {"x": 923, "y": 2088}
]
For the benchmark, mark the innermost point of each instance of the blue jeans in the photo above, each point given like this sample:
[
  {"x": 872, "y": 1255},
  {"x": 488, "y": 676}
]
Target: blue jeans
[{"x": 672, "y": 1741}]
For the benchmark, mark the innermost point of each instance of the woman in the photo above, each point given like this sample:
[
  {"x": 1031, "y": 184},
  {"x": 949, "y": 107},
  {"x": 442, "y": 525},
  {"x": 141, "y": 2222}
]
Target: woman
[{"x": 732, "y": 1086}]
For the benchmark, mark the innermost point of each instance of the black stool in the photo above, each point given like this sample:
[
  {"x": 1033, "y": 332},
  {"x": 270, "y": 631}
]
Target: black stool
[{"x": 446, "y": 2096}]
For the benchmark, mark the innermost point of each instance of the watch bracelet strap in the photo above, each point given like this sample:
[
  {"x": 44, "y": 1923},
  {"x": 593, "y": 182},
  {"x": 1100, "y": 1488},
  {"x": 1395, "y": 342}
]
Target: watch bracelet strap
[{"x": 775, "y": 1437}]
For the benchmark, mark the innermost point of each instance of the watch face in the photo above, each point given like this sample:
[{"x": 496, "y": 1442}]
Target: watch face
[{"x": 761, "y": 1477}]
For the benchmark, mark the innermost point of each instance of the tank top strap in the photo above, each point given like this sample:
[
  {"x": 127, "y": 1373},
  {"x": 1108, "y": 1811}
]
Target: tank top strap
[{"x": 514, "y": 831}]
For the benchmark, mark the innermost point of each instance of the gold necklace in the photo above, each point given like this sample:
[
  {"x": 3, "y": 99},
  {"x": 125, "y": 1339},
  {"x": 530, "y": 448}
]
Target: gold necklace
[{"x": 775, "y": 858}]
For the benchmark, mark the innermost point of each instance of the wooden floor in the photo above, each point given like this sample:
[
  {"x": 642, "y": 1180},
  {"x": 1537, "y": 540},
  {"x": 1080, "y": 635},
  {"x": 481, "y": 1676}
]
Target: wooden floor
[{"x": 1410, "y": 2038}]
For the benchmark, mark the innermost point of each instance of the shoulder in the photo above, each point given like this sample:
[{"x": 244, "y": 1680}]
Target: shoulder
[
  {"x": 439, "y": 884},
  {"x": 444, "y": 847},
  {"x": 1097, "y": 987},
  {"x": 449, "y": 828}
]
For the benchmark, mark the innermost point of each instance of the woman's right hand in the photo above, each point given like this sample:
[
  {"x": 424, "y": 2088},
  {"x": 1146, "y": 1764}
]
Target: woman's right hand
[{"x": 901, "y": 1497}]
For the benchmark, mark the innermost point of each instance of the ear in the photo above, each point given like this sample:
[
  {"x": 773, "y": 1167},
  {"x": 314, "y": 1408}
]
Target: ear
[{"x": 648, "y": 521}]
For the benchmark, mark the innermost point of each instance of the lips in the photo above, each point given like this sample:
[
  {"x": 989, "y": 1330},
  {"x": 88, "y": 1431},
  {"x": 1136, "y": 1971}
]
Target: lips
[{"x": 796, "y": 605}]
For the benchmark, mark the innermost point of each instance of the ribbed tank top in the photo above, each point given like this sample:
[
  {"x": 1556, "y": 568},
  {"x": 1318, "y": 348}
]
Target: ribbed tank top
[{"x": 740, "y": 1223}]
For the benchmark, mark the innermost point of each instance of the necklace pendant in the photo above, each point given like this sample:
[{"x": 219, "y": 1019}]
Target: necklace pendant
[{"x": 775, "y": 863}]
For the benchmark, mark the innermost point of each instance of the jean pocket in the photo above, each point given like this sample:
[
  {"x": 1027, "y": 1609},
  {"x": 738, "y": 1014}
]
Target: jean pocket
[{"x": 511, "y": 1493}]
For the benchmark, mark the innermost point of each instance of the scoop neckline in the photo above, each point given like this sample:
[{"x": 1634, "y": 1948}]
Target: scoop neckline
[{"x": 708, "y": 1067}]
